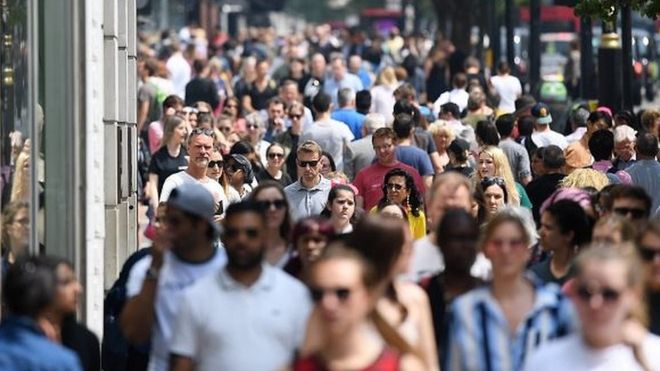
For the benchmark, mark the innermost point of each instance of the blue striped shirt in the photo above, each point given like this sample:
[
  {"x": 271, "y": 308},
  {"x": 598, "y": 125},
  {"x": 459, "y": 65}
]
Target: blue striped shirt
[{"x": 479, "y": 335}]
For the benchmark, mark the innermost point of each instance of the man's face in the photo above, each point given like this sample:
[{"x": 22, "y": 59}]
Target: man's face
[
  {"x": 630, "y": 208},
  {"x": 200, "y": 150},
  {"x": 289, "y": 93},
  {"x": 385, "y": 150},
  {"x": 354, "y": 64},
  {"x": 262, "y": 69},
  {"x": 625, "y": 149},
  {"x": 309, "y": 165},
  {"x": 275, "y": 111},
  {"x": 318, "y": 65},
  {"x": 448, "y": 196},
  {"x": 593, "y": 127},
  {"x": 338, "y": 69},
  {"x": 182, "y": 231},
  {"x": 244, "y": 240}
]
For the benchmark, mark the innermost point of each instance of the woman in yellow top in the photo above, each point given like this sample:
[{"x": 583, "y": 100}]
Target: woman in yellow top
[{"x": 399, "y": 188}]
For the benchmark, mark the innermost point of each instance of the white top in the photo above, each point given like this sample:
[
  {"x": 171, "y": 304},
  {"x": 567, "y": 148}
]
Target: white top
[
  {"x": 175, "y": 276},
  {"x": 576, "y": 135},
  {"x": 182, "y": 177},
  {"x": 456, "y": 96},
  {"x": 333, "y": 136},
  {"x": 180, "y": 73},
  {"x": 382, "y": 101},
  {"x": 571, "y": 353},
  {"x": 261, "y": 148},
  {"x": 224, "y": 325},
  {"x": 549, "y": 137},
  {"x": 427, "y": 260},
  {"x": 509, "y": 89}
]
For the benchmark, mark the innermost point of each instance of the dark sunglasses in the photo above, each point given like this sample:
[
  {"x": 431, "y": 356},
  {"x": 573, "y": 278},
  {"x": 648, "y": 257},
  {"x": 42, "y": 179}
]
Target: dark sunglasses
[
  {"x": 648, "y": 254},
  {"x": 199, "y": 131},
  {"x": 394, "y": 186},
  {"x": 252, "y": 126},
  {"x": 634, "y": 213},
  {"x": 492, "y": 180},
  {"x": 318, "y": 294},
  {"x": 251, "y": 233},
  {"x": 269, "y": 204},
  {"x": 295, "y": 117},
  {"x": 304, "y": 164},
  {"x": 225, "y": 129},
  {"x": 275, "y": 155},
  {"x": 218, "y": 163},
  {"x": 608, "y": 294}
]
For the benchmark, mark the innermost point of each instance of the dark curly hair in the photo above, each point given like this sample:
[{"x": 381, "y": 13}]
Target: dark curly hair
[{"x": 415, "y": 198}]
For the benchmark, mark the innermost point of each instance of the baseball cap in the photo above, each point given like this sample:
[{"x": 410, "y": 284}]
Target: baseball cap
[
  {"x": 458, "y": 145},
  {"x": 195, "y": 200},
  {"x": 541, "y": 113}
]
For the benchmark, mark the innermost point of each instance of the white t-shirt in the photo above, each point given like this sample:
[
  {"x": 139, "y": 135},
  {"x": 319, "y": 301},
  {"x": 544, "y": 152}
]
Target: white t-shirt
[
  {"x": 549, "y": 137},
  {"x": 175, "y": 276},
  {"x": 427, "y": 260},
  {"x": 509, "y": 89},
  {"x": 224, "y": 325},
  {"x": 182, "y": 177},
  {"x": 457, "y": 96},
  {"x": 333, "y": 136},
  {"x": 180, "y": 73},
  {"x": 571, "y": 353}
]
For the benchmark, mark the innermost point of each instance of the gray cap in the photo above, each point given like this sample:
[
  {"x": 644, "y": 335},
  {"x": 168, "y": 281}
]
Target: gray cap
[{"x": 196, "y": 200}]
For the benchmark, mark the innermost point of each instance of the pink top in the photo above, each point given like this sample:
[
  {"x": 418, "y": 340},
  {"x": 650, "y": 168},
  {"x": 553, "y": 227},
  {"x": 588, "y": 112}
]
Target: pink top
[{"x": 155, "y": 134}]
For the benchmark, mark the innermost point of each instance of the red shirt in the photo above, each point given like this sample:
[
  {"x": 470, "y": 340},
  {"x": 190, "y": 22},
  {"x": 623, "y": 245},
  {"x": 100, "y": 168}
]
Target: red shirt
[
  {"x": 387, "y": 361},
  {"x": 369, "y": 181}
]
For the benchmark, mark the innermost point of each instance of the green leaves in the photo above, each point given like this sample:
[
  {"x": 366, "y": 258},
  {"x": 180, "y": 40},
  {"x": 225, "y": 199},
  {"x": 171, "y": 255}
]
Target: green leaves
[{"x": 607, "y": 9}]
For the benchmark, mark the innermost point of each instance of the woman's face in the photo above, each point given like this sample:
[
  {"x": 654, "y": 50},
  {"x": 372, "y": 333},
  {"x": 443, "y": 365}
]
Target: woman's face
[
  {"x": 68, "y": 290},
  {"x": 311, "y": 245},
  {"x": 343, "y": 206},
  {"x": 274, "y": 204},
  {"x": 397, "y": 191},
  {"x": 550, "y": 236},
  {"x": 216, "y": 165},
  {"x": 235, "y": 173},
  {"x": 486, "y": 165},
  {"x": 18, "y": 231},
  {"x": 325, "y": 166},
  {"x": 231, "y": 108},
  {"x": 276, "y": 157},
  {"x": 537, "y": 165},
  {"x": 340, "y": 295},
  {"x": 441, "y": 141},
  {"x": 650, "y": 251},
  {"x": 494, "y": 197},
  {"x": 507, "y": 250},
  {"x": 253, "y": 131},
  {"x": 180, "y": 133}
]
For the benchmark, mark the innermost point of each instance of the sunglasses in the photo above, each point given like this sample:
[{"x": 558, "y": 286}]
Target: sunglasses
[
  {"x": 250, "y": 233},
  {"x": 318, "y": 294},
  {"x": 633, "y": 212},
  {"x": 225, "y": 129},
  {"x": 252, "y": 126},
  {"x": 295, "y": 117},
  {"x": 218, "y": 163},
  {"x": 269, "y": 204},
  {"x": 515, "y": 244},
  {"x": 608, "y": 294},
  {"x": 273, "y": 156},
  {"x": 200, "y": 131},
  {"x": 394, "y": 186},
  {"x": 491, "y": 180},
  {"x": 648, "y": 254},
  {"x": 304, "y": 164}
]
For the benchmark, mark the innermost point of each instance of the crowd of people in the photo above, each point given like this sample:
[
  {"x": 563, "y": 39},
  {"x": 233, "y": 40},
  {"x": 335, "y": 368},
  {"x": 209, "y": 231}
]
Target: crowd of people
[{"x": 326, "y": 206}]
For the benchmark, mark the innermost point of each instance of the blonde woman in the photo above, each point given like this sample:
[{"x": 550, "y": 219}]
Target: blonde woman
[
  {"x": 443, "y": 135},
  {"x": 20, "y": 188},
  {"x": 382, "y": 95},
  {"x": 585, "y": 178},
  {"x": 492, "y": 162}
]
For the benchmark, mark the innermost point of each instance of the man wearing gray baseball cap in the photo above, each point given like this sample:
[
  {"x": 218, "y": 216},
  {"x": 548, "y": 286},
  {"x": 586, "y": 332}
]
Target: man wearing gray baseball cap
[{"x": 182, "y": 253}]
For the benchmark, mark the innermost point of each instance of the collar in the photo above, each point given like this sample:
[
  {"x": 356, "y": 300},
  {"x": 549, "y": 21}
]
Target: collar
[
  {"x": 265, "y": 281},
  {"x": 23, "y": 322},
  {"x": 320, "y": 186}
]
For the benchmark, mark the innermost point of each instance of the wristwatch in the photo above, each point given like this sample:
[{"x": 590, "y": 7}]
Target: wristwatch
[{"x": 153, "y": 273}]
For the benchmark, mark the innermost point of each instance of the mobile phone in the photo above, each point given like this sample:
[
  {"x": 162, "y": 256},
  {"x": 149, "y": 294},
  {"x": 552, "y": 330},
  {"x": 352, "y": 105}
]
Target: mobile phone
[{"x": 221, "y": 209}]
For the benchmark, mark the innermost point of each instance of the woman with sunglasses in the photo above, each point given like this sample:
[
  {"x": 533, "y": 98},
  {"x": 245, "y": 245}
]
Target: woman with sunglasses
[
  {"x": 239, "y": 172},
  {"x": 271, "y": 199},
  {"x": 564, "y": 228},
  {"x": 345, "y": 288},
  {"x": 607, "y": 293},
  {"x": 309, "y": 237},
  {"x": 273, "y": 170},
  {"x": 256, "y": 128},
  {"x": 399, "y": 187},
  {"x": 340, "y": 209},
  {"x": 216, "y": 171},
  {"x": 491, "y": 326},
  {"x": 493, "y": 162},
  {"x": 648, "y": 244}
]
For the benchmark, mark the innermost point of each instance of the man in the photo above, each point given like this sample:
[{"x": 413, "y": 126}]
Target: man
[
  {"x": 458, "y": 95},
  {"x": 355, "y": 67},
  {"x": 409, "y": 154},
  {"x": 309, "y": 195},
  {"x": 346, "y": 112},
  {"x": 508, "y": 88},
  {"x": 315, "y": 81},
  {"x": 543, "y": 136},
  {"x": 578, "y": 123},
  {"x": 544, "y": 185},
  {"x": 340, "y": 78},
  {"x": 333, "y": 136},
  {"x": 631, "y": 202},
  {"x": 422, "y": 138},
  {"x": 369, "y": 181},
  {"x": 515, "y": 153},
  {"x": 451, "y": 113},
  {"x": 276, "y": 115},
  {"x": 27, "y": 334},
  {"x": 201, "y": 87},
  {"x": 181, "y": 254},
  {"x": 645, "y": 172},
  {"x": 601, "y": 147},
  {"x": 577, "y": 154},
  {"x": 362, "y": 151},
  {"x": 290, "y": 138},
  {"x": 363, "y": 102},
  {"x": 178, "y": 68},
  {"x": 253, "y": 315},
  {"x": 624, "y": 147},
  {"x": 147, "y": 94},
  {"x": 289, "y": 93},
  {"x": 449, "y": 190},
  {"x": 200, "y": 148},
  {"x": 260, "y": 90}
]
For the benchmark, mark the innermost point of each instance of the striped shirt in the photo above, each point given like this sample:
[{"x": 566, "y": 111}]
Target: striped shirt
[{"x": 479, "y": 335}]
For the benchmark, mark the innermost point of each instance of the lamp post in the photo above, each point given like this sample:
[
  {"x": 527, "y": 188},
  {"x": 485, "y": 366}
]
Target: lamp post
[{"x": 610, "y": 85}]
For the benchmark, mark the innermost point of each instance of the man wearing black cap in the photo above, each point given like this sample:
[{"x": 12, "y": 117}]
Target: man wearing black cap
[{"x": 181, "y": 254}]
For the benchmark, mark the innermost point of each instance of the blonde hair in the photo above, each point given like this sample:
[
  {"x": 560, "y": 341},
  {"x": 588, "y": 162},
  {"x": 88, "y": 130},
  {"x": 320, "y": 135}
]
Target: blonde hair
[
  {"x": 509, "y": 214},
  {"x": 387, "y": 76},
  {"x": 440, "y": 127},
  {"x": 503, "y": 170},
  {"x": 20, "y": 188},
  {"x": 584, "y": 178},
  {"x": 310, "y": 146}
]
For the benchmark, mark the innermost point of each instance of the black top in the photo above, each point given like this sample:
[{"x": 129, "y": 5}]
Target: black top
[
  {"x": 83, "y": 342},
  {"x": 543, "y": 272},
  {"x": 468, "y": 171},
  {"x": 263, "y": 176},
  {"x": 539, "y": 189},
  {"x": 164, "y": 165},
  {"x": 260, "y": 97},
  {"x": 654, "y": 312},
  {"x": 202, "y": 89}
]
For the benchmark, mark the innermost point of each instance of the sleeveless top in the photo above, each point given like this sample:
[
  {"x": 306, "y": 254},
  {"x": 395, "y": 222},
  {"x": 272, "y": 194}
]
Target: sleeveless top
[{"x": 388, "y": 360}]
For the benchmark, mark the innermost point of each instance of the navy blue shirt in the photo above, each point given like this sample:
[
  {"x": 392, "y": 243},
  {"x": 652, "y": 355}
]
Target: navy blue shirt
[
  {"x": 24, "y": 347},
  {"x": 415, "y": 157},
  {"x": 353, "y": 119}
]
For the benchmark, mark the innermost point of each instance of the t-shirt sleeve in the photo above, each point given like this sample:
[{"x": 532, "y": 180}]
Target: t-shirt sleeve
[
  {"x": 168, "y": 186},
  {"x": 524, "y": 169},
  {"x": 185, "y": 343},
  {"x": 425, "y": 165},
  {"x": 136, "y": 276},
  {"x": 430, "y": 147}
]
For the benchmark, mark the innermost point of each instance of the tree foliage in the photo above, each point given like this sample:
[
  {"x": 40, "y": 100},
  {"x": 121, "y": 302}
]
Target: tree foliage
[{"x": 607, "y": 9}]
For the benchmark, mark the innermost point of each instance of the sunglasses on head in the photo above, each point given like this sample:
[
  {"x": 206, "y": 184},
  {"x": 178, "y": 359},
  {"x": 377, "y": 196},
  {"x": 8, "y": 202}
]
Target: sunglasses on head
[
  {"x": 318, "y": 294},
  {"x": 648, "y": 253},
  {"x": 491, "y": 180},
  {"x": 304, "y": 164},
  {"x": 272, "y": 156},
  {"x": 394, "y": 186},
  {"x": 608, "y": 294},
  {"x": 269, "y": 204},
  {"x": 235, "y": 232},
  {"x": 199, "y": 131},
  {"x": 218, "y": 163},
  {"x": 633, "y": 212}
]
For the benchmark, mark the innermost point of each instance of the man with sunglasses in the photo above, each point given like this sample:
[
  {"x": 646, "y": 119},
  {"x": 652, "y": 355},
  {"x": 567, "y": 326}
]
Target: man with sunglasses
[
  {"x": 248, "y": 316},
  {"x": 629, "y": 201},
  {"x": 183, "y": 252},
  {"x": 308, "y": 196}
]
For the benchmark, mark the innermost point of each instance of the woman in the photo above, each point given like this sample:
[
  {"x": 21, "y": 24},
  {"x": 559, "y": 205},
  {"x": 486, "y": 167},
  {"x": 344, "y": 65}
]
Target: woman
[
  {"x": 256, "y": 128},
  {"x": 215, "y": 171},
  {"x": 613, "y": 228},
  {"x": 491, "y": 325},
  {"x": 382, "y": 95},
  {"x": 327, "y": 164},
  {"x": 170, "y": 158},
  {"x": 486, "y": 133},
  {"x": 273, "y": 170},
  {"x": 345, "y": 287},
  {"x": 20, "y": 188},
  {"x": 564, "y": 228},
  {"x": 493, "y": 162},
  {"x": 399, "y": 187},
  {"x": 340, "y": 208},
  {"x": 493, "y": 196},
  {"x": 15, "y": 233},
  {"x": 233, "y": 109},
  {"x": 459, "y": 158},
  {"x": 607, "y": 294},
  {"x": 272, "y": 200},
  {"x": 243, "y": 147},
  {"x": 239, "y": 172},
  {"x": 309, "y": 237},
  {"x": 443, "y": 135},
  {"x": 648, "y": 245}
]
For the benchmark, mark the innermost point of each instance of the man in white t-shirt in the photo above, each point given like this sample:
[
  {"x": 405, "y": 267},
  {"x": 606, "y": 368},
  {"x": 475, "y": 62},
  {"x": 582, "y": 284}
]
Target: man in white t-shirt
[
  {"x": 181, "y": 254},
  {"x": 200, "y": 148},
  {"x": 458, "y": 95},
  {"x": 248, "y": 316},
  {"x": 508, "y": 88},
  {"x": 179, "y": 69},
  {"x": 333, "y": 136},
  {"x": 543, "y": 135}
]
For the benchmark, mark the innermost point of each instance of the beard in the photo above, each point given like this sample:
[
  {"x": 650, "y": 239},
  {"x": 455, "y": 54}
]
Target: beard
[{"x": 240, "y": 258}]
